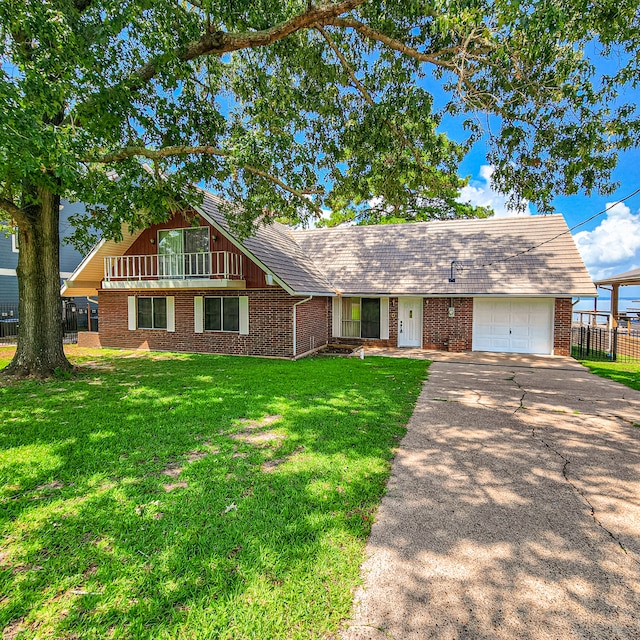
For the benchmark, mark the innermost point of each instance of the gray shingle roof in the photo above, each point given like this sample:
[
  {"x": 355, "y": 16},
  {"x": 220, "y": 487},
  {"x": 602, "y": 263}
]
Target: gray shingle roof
[{"x": 415, "y": 259}]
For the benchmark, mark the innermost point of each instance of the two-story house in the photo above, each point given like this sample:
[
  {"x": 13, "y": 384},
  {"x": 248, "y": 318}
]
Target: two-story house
[{"x": 190, "y": 285}]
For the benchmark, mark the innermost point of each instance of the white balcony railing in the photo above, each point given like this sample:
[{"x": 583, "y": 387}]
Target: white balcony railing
[{"x": 179, "y": 266}]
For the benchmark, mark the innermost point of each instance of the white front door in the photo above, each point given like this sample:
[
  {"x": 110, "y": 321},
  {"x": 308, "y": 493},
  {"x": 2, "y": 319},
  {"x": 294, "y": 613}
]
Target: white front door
[
  {"x": 409, "y": 322},
  {"x": 513, "y": 325}
]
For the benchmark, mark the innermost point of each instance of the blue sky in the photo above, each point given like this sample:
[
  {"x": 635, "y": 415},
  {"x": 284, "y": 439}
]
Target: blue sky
[{"x": 609, "y": 244}]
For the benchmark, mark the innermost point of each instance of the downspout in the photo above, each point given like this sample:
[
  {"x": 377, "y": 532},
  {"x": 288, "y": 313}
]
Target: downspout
[{"x": 295, "y": 325}]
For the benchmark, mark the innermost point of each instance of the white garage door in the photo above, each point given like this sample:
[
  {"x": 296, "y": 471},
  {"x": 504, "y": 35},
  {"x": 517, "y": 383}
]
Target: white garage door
[{"x": 514, "y": 325}]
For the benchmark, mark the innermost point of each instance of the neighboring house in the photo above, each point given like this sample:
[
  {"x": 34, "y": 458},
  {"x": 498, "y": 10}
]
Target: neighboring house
[
  {"x": 456, "y": 285},
  {"x": 10, "y": 246}
]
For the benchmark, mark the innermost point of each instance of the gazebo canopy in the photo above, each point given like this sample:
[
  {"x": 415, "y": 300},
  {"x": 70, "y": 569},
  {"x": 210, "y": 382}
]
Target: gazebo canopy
[{"x": 627, "y": 278}]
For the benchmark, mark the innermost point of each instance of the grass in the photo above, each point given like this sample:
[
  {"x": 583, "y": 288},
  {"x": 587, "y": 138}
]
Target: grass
[
  {"x": 193, "y": 496},
  {"x": 627, "y": 373}
]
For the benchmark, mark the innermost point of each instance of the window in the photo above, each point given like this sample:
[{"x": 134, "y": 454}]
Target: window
[
  {"x": 360, "y": 318},
  {"x": 15, "y": 241},
  {"x": 222, "y": 314},
  {"x": 152, "y": 313},
  {"x": 184, "y": 252}
]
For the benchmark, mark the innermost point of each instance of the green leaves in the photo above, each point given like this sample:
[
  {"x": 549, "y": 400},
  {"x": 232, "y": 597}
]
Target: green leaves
[{"x": 349, "y": 107}]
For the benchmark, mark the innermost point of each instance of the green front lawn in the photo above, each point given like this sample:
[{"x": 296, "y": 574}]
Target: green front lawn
[
  {"x": 193, "y": 496},
  {"x": 625, "y": 372}
]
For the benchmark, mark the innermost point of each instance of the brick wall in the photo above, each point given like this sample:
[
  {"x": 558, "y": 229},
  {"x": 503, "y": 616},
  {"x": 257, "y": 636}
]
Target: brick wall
[
  {"x": 311, "y": 324},
  {"x": 270, "y": 324},
  {"x": 562, "y": 327},
  {"x": 443, "y": 333},
  {"x": 371, "y": 342}
]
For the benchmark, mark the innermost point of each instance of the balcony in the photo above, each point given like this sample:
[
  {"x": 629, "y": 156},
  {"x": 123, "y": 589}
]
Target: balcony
[{"x": 212, "y": 269}]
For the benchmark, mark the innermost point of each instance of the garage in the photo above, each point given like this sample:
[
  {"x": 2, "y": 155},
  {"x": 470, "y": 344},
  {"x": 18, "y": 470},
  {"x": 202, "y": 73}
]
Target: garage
[{"x": 513, "y": 325}]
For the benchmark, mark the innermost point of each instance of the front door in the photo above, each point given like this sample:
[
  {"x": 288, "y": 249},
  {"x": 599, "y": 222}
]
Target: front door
[{"x": 409, "y": 322}]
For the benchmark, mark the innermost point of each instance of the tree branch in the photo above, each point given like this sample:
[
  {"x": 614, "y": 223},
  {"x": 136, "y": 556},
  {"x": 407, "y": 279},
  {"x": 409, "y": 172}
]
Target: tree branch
[
  {"x": 156, "y": 154},
  {"x": 392, "y": 43},
  {"x": 220, "y": 42},
  {"x": 347, "y": 67},
  {"x": 367, "y": 96},
  {"x": 300, "y": 193},
  {"x": 470, "y": 50},
  {"x": 15, "y": 212},
  {"x": 165, "y": 152}
]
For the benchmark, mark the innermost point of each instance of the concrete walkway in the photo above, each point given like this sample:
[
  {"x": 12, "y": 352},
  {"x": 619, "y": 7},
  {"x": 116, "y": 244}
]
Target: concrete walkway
[{"x": 513, "y": 509}]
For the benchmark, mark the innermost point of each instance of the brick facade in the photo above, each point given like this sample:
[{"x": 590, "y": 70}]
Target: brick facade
[
  {"x": 562, "y": 317},
  {"x": 270, "y": 324},
  {"x": 442, "y": 333},
  {"x": 311, "y": 325}
]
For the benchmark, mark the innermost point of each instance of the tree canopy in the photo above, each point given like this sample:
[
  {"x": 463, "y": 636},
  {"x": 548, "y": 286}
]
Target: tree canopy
[
  {"x": 287, "y": 107},
  {"x": 292, "y": 107}
]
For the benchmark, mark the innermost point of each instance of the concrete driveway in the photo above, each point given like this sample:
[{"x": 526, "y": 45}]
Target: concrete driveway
[{"x": 513, "y": 509}]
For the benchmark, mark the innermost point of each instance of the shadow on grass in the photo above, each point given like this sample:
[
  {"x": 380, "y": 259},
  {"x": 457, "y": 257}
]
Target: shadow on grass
[{"x": 155, "y": 500}]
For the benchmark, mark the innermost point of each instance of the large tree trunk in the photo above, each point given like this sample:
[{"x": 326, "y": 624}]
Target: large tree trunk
[{"x": 40, "y": 332}]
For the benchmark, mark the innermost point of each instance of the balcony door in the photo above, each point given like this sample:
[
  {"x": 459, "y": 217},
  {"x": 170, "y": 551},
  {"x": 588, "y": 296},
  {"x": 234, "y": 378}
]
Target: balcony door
[{"x": 184, "y": 253}]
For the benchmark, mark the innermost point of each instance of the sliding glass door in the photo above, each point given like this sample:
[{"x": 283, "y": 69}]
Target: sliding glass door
[{"x": 184, "y": 253}]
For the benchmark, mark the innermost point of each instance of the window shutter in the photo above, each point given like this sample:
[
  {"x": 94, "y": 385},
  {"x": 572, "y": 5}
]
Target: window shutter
[
  {"x": 384, "y": 318},
  {"x": 244, "y": 315},
  {"x": 131, "y": 305},
  {"x": 336, "y": 318},
  {"x": 198, "y": 314},
  {"x": 171, "y": 313}
]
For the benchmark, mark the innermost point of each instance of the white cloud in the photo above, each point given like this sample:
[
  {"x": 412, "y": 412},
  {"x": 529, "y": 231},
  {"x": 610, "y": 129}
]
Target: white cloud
[
  {"x": 614, "y": 245},
  {"x": 480, "y": 192}
]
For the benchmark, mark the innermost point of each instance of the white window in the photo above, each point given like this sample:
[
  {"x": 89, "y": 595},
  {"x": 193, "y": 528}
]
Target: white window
[
  {"x": 15, "y": 241},
  {"x": 221, "y": 314},
  {"x": 151, "y": 312}
]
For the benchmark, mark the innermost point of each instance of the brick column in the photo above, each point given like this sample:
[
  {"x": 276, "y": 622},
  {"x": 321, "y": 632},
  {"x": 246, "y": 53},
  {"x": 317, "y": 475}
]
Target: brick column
[{"x": 562, "y": 316}]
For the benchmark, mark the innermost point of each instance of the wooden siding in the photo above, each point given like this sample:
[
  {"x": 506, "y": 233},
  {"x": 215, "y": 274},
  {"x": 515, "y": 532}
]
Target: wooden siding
[
  {"x": 253, "y": 274},
  {"x": 8, "y": 290},
  {"x": 8, "y": 259}
]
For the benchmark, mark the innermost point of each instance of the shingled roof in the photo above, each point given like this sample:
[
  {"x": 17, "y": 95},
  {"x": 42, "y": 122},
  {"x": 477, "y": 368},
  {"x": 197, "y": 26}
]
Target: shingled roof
[
  {"x": 519, "y": 256},
  {"x": 530, "y": 256}
]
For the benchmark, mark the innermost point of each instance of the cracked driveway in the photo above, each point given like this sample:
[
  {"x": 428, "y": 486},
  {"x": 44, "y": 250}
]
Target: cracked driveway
[{"x": 512, "y": 511}]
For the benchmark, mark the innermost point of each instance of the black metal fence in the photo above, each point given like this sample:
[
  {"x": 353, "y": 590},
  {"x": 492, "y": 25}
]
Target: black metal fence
[
  {"x": 69, "y": 322},
  {"x": 601, "y": 343},
  {"x": 73, "y": 319},
  {"x": 8, "y": 323}
]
